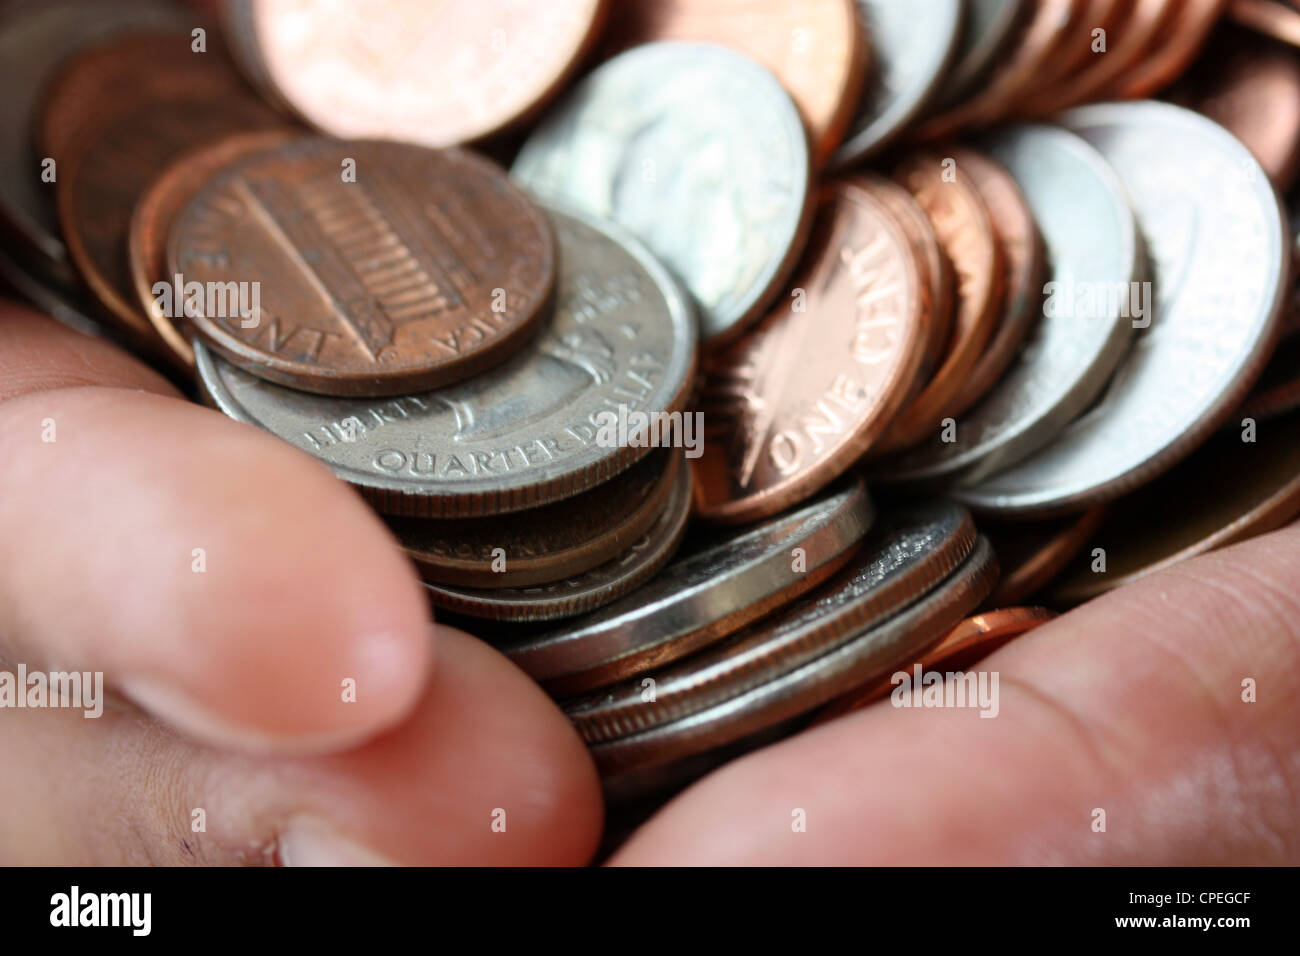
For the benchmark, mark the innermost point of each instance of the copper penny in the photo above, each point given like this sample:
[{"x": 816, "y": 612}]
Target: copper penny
[
  {"x": 543, "y": 544},
  {"x": 426, "y": 267},
  {"x": 794, "y": 402},
  {"x": 974, "y": 639},
  {"x": 1267, "y": 17},
  {"x": 115, "y": 118},
  {"x": 1228, "y": 491},
  {"x": 1032, "y": 554},
  {"x": 936, "y": 271},
  {"x": 1024, "y": 257},
  {"x": 964, "y": 228},
  {"x": 1170, "y": 53},
  {"x": 437, "y": 74},
  {"x": 816, "y": 48},
  {"x": 1251, "y": 86},
  {"x": 1076, "y": 44},
  {"x": 156, "y": 211}
]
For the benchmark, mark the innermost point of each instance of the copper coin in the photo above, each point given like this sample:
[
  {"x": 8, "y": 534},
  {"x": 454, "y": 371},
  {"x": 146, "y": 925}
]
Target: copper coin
[
  {"x": 936, "y": 270},
  {"x": 424, "y": 269},
  {"x": 1172, "y": 51},
  {"x": 793, "y": 403},
  {"x": 1032, "y": 554},
  {"x": 1228, "y": 491},
  {"x": 1267, "y": 17},
  {"x": 156, "y": 211},
  {"x": 965, "y": 645},
  {"x": 965, "y": 231},
  {"x": 545, "y": 544},
  {"x": 435, "y": 74},
  {"x": 115, "y": 118},
  {"x": 1077, "y": 42},
  {"x": 1024, "y": 257},
  {"x": 1251, "y": 86},
  {"x": 582, "y": 592},
  {"x": 816, "y": 48},
  {"x": 1278, "y": 389}
]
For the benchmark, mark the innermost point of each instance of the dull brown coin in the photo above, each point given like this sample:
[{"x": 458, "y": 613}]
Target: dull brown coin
[
  {"x": 816, "y": 48},
  {"x": 1228, "y": 491},
  {"x": 794, "y": 402},
  {"x": 545, "y": 544},
  {"x": 584, "y": 592},
  {"x": 156, "y": 211},
  {"x": 974, "y": 639},
  {"x": 1171, "y": 51},
  {"x": 1251, "y": 86},
  {"x": 115, "y": 118},
  {"x": 381, "y": 268},
  {"x": 434, "y": 74},
  {"x": 936, "y": 271},
  {"x": 1032, "y": 554},
  {"x": 1024, "y": 258},
  {"x": 964, "y": 228}
]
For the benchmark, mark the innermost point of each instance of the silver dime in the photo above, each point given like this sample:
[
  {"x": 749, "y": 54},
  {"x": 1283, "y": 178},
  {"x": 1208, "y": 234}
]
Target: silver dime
[
  {"x": 911, "y": 46},
  {"x": 523, "y": 433},
  {"x": 586, "y": 591},
  {"x": 697, "y": 150},
  {"x": 988, "y": 27},
  {"x": 1094, "y": 248},
  {"x": 1218, "y": 244},
  {"x": 702, "y": 597}
]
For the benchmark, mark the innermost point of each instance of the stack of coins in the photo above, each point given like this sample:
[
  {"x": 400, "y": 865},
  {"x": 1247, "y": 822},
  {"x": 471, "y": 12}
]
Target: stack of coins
[{"x": 623, "y": 406}]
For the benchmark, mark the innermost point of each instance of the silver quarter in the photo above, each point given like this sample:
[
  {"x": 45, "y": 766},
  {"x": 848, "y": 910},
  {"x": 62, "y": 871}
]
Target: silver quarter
[
  {"x": 1093, "y": 246},
  {"x": 523, "y": 433},
  {"x": 698, "y": 151},
  {"x": 911, "y": 47},
  {"x": 1218, "y": 244}
]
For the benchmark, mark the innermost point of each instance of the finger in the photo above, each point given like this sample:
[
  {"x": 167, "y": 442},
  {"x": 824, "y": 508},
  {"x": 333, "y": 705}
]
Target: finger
[
  {"x": 222, "y": 579},
  {"x": 1129, "y": 713},
  {"x": 486, "y": 771}
]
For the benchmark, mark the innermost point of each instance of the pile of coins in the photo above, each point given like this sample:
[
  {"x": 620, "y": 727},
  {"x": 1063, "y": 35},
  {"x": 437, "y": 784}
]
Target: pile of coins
[{"x": 622, "y": 405}]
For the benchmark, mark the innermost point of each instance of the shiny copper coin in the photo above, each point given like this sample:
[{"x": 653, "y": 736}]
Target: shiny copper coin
[
  {"x": 1032, "y": 554},
  {"x": 965, "y": 231},
  {"x": 1228, "y": 491},
  {"x": 431, "y": 73},
  {"x": 1251, "y": 86},
  {"x": 1024, "y": 257},
  {"x": 114, "y": 120},
  {"x": 544, "y": 544},
  {"x": 156, "y": 211},
  {"x": 427, "y": 267},
  {"x": 794, "y": 402},
  {"x": 816, "y": 48},
  {"x": 1268, "y": 17},
  {"x": 1172, "y": 51},
  {"x": 965, "y": 645}
]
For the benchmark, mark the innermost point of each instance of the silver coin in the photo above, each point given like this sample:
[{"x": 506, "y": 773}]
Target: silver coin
[
  {"x": 53, "y": 300},
  {"x": 583, "y": 592},
  {"x": 698, "y": 151},
  {"x": 1218, "y": 245},
  {"x": 1092, "y": 243},
  {"x": 865, "y": 657},
  {"x": 523, "y": 433},
  {"x": 911, "y": 47},
  {"x": 35, "y": 40},
  {"x": 908, "y": 555},
  {"x": 702, "y": 597},
  {"x": 989, "y": 24}
]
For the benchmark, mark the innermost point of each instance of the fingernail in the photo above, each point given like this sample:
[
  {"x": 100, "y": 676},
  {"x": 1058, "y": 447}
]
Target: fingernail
[{"x": 309, "y": 842}]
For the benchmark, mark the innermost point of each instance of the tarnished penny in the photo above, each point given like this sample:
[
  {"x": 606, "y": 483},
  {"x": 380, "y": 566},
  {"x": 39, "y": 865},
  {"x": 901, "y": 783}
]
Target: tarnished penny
[
  {"x": 1227, "y": 491},
  {"x": 425, "y": 268},
  {"x": 1032, "y": 554},
  {"x": 814, "y": 47},
  {"x": 1172, "y": 50},
  {"x": 156, "y": 212},
  {"x": 790, "y": 406},
  {"x": 115, "y": 118},
  {"x": 519, "y": 435},
  {"x": 701, "y": 153},
  {"x": 583, "y": 592},
  {"x": 965, "y": 231},
  {"x": 437, "y": 74},
  {"x": 703, "y": 596},
  {"x": 908, "y": 554},
  {"x": 550, "y": 543}
]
